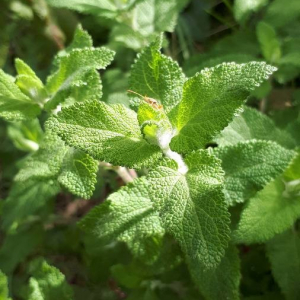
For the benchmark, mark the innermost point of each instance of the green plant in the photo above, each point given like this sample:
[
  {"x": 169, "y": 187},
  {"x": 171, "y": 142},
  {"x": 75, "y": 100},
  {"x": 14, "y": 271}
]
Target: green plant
[{"x": 211, "y": 199}]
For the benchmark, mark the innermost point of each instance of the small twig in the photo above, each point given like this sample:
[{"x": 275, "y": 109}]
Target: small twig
[
  {"x": 127, "y": 175},
  {"x": 124, "y": 174},
  {"x": 263, "y": 105}
]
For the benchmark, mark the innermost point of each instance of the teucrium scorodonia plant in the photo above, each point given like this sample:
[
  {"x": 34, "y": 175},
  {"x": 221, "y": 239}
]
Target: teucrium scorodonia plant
[
  {"x": 187, "y": 187},
  {"x": 185, "y": 193}
]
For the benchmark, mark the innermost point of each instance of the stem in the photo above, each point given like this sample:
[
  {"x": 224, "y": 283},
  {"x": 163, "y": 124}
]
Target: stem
[
  {"x": 163, "y": 142},
  {"x": 182, "y": 167},
  {"x": 228, "y": 5},
  {"x": 125, "y": 175}
]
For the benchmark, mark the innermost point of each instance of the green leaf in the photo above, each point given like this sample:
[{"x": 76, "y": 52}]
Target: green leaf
[
  {"x": 128, "y": 216},
  {"x": 26, "y": 135},
  {"x": 269, "y": 42},
  {"x": 46, "y": 162},
  {"x": 77, "y": 76},
  {"x": 192, "y": 207},
  {"x": 4, "y": 292},
  {"x": 29, "y": 83},
  {"x": 221, "y": 282},
  {"x": 103, "y": 8},
  {"x": 244, "y": 8},
  {"x": 78, "y": 173},
  {"x": 161, "y": 15},
  {"x": 293, "y": 171},
  {"x": 108, "y": 133},
  {"x": 250, "y": 125},
  {"x": 47, "y": 283},
  {"x": 249, "y": 166},
  {"x": 284, "y": 252},
  {"x": 80, "y": 40},
  {"x": 211, "y": 99},
  {"x": 14, "y": 105},
  {"x": 281, "y": 15},
  {"x": 25, "y": 199},
  {"x": 272, "y": 211},
  {"x": 158, "y": 76},
  {"x": 127, "y": 275},
  {"x": 73, "y": 169},
  {"x": 17, "y": 246}
]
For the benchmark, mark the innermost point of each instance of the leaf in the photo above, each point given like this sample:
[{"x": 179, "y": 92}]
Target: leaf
[
  {"x": 269, "y": 42},
  {"x": 272, "y": 211},
  {"x": 281, "y": 15},
  {"x": 192, "y": 207},
  {"x": 44, "y": 163},
  {"x": 80, "y": 40},
  {"x": 77, "y": 76},
  {"x": 47, "y": 283},
  {"x": 284, "y": 253},
  {"x": 211, "y": 99},
  {"x": 128, "y": 216},
  {"x": 29, "y": 83},
  {"x": 161, "y": 15},
  {"x": 250, "y": 125},
  {"x": 158, "y": 76},
  {"x": 26, "y": 135},
  {"x": 293, "y": 171},
  {"x": 25, "y": 199},
  {"x": 108, "y": 133},
  {"x": 249, "y": 166},
  {"x": 14, "y": 105},
  {"x": 4, "y": 292},
  {"x": 221, "y": 282},
  {"x": 127, "y": 275},
  {"x": 17, "y": 246},
  {"x": 78, "y": 174},
  {"x": 244, "y": 8},
  {"x": 104, "y": 8}
]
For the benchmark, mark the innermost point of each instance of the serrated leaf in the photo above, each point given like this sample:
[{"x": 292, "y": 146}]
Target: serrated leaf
[
  {"x": 250, "y": 125},
  {"x": 211, "y": 99},
  {"x": 74, "y": 72},
  {"x": 221, "y": 282},
  {"x": 4, "y": 293},
  {"x": 272, "y": 211},
  {"x": 192, "y": 207},
  {"x": 128, "y": 216},
  {"x": 29, "y": 83},
  {"x": 14, "y": 105},
  {"x": 44, "y": 163},
  {"x": 269, "y": 42},
  {"x": 109, "y": 133},
  {"x": 284, "y": 252},
  {"x": 249, "y": 166},
  {"x": 47, "y": 283},
  {"x": 81, "y": 40},
  {"x": 73, "y": 169},
  {"x": 243, "y": 8},
  {"x": 158, "y": 76},
  {"x": 78, "y": 173}
]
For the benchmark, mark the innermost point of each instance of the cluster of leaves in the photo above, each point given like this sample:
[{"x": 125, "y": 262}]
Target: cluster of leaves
[{"x": 219, "y": 181}]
